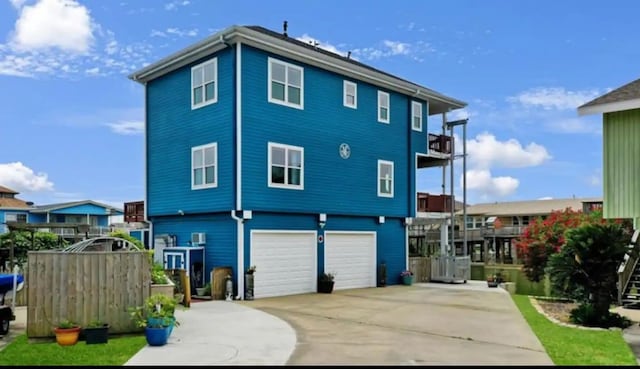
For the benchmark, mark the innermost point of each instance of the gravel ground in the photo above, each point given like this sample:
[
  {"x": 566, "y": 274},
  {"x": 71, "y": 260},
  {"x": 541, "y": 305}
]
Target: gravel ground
[{"x": 558, "y": 310}]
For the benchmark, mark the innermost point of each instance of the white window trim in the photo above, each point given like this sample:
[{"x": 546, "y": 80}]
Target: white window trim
[
  {"x": 416, "y": 105},
  {"x": 355, "y": 94},
  {"x": 286, "y": 90},
  {"x": 204, "y": 102},
  {"x": 393, "y": 181},
  {"x": 286, "y": 155},
  {"x": 380, "y": 94},
  {"x": 215, "y": 163}
]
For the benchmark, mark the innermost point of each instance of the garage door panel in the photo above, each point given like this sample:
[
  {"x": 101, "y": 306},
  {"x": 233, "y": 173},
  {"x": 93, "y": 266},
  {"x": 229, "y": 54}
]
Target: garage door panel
[
  {"x": 285, "y": 263},
  {"x": 352, "y": 258}
]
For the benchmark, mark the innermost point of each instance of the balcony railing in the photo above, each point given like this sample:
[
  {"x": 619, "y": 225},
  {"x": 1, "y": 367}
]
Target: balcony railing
[
  {"x": 93, "y": 231},
  {"x": 478, "y": 233},
  {"x": 440, "y": 143},
  {"x": 434, "y": 203},
  {"x": 134, "y": 211}
]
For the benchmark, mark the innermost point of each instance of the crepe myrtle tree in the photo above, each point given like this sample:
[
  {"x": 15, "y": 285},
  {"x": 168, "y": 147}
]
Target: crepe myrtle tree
[
  {"x": 545, "y": 237},
  {"x": 585, "y": 269}
]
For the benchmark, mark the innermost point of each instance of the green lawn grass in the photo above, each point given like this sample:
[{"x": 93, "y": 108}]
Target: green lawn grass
[
  {"x": 115, "y": 352},
  {"x": 573, "y": 346}
]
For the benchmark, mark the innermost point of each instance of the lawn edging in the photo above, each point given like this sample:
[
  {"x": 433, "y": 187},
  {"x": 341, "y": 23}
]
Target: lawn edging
[{"x": 534, "y": 302}]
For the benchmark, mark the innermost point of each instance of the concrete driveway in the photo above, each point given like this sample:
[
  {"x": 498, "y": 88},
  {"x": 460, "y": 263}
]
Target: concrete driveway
[{"x": 423, "y": 324}]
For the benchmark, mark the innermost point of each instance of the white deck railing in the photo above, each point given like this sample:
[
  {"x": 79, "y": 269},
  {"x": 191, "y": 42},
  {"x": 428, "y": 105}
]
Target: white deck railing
[{"x": 451, "y": 268}]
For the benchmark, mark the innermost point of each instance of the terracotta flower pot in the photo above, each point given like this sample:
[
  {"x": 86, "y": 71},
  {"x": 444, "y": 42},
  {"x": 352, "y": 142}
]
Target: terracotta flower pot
[{"x": 67, "y": 336}]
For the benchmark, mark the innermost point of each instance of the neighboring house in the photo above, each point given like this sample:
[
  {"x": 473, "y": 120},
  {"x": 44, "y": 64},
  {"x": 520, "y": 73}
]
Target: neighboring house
[
  {"x": 12, "y": 209},
  {"x": 493, "y": 227},
  {"x": 269, "y": 151},
  {"x": 88, "y": 212},
  {"x": 620, "y": 111}
]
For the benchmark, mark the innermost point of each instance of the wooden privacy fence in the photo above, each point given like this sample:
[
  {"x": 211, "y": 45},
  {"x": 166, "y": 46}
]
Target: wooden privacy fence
[
  {"x": 421, "y": 268},
  {"x": 85, "y": 286}
]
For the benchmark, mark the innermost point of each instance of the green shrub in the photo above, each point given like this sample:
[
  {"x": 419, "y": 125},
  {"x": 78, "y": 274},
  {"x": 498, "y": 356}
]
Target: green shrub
[
  {"x": 587, "y": 315},
  {"x": 128, "y": 237}
]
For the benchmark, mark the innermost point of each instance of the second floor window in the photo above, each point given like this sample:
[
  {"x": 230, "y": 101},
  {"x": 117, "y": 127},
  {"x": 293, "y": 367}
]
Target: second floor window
[
  {"x": 204, "y": 165},
  {"x": 286, "y": 166},
  {"x": 385, "y": 178},
  {"x": 416, "y": 116},
  {"x": 15, "y": 217},
  {"x": 204, "y": 83},
  {"x": 286, "y": 84},
  {"x": 350, "y": 95},
  {"x": 383, "y": 107}
]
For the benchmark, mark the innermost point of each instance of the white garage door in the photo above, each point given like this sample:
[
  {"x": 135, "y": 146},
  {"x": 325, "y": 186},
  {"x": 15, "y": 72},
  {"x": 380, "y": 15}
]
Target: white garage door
[
  {"x": 285, "y": 262},
  {"x": 352, "y": 257}
]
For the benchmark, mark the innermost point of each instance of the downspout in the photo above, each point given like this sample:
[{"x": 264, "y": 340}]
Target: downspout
[
  {"x": 238, "y": 175},
  {"x": 412, "y": 192}
]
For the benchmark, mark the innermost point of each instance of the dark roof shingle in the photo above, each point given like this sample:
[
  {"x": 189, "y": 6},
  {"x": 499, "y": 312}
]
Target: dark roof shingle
[{"x": 630, "y": 91}]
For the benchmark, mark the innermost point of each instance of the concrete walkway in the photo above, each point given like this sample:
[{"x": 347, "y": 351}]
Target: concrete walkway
[{"x": 222, "y": 333}]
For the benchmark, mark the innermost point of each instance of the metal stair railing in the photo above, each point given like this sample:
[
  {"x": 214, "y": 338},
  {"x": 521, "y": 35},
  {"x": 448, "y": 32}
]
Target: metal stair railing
[{"x": 628, "y": 266}]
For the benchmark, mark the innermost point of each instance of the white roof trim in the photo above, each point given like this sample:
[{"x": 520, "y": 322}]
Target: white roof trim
[
  {"x": 609, "y": 107},
  {"x": 285, "y": 48}
]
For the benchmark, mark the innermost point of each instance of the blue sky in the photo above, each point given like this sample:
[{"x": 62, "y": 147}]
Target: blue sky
[{"x": 71, "y": 122}]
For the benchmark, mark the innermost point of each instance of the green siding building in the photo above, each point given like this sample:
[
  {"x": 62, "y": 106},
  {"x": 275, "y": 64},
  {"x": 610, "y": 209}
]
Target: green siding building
[{"x": 621, "y": 156}]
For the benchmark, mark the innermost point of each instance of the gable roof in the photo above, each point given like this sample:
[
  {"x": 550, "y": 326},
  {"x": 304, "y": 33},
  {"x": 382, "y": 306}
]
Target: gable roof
[
  {"x": 532, "y": 207},
  {"x": 62, "y": 205},
  {"x": 4, "y": 189},
  {"x": 281, "y": 44},
  {"x": 623, "y": 98}
]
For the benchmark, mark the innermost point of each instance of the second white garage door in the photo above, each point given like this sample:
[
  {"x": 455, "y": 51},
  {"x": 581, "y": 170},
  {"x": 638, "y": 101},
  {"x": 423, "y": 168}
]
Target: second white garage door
[
  {"x": 286, "y": 262},
  {"x": 352, "y": 257}
]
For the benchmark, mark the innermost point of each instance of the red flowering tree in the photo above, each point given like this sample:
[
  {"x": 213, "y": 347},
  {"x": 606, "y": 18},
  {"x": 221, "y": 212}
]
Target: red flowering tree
[{"x": 543, "y": 238}]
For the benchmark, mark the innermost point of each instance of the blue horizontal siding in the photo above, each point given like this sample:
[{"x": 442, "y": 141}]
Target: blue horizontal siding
[
  {"x": 221, "y": 234},
  {"x": 173, "y": 129},
  {"x": 331, "y": 184}
]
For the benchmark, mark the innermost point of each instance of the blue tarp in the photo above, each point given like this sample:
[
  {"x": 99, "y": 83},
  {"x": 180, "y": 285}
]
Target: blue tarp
[{"x": 6, "y": 282}]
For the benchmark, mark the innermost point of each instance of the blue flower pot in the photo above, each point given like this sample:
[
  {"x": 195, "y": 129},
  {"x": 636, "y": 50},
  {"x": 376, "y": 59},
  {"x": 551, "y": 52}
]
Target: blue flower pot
[
  {"x": 171, "y": 325},
  {"x": 156, "y": 336}
]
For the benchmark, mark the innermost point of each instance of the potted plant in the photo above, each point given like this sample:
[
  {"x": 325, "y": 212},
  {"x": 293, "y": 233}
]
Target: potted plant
[
  {"x": 67, "y": 332},
  {"x": 326, "y": 282},
  {"x": 491, "y": 280},
  {"x": 157, "y": 318},
  {"x": 96, "y": 332},
  {"x": 407, "y": 277},
  {"x": 248, "y": 283}
]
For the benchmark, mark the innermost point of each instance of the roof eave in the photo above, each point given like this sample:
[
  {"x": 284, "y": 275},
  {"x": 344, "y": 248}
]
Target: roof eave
[
  {"x": 611, "y": 107},
  {"x": 257, "y": 39}
]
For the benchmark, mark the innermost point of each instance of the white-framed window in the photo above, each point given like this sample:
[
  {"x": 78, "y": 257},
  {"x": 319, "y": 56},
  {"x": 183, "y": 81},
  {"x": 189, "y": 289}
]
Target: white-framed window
[
  {"x": 286, "y": 166},
  {"x": 350, "y": 95},
  {"x": 385, "y": 178},
  {"x": 15, "y": 217},
  {"x": 416, "y": 116},
  {"x": 204, "y": 166},
  {"x": 383, "y": 107},
  {"x": 204, "y": 83},
  {"x": 286, "y": 84}
]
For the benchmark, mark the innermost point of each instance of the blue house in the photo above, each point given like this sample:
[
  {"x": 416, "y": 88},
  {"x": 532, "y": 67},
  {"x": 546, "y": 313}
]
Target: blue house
[
  {"x": 95, "y": 214},
  {"x": 271, "y": 152}
]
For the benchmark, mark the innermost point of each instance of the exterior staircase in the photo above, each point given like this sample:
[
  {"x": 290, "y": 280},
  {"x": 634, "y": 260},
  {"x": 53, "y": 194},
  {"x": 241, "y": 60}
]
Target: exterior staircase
[{"x": 629, "y": 276}]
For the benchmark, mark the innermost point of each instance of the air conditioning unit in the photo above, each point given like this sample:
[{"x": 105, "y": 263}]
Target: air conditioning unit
[{"x": 199, "y": 238}]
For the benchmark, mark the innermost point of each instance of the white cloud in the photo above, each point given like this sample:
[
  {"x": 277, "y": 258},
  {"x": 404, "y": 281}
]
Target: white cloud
[
  {"x": 595, "y": 179},
  {"x": 127, "y": 127},
  {"x": 58, "y": 38},
  {"x": 174, "y": 31},
  {"x": 574, "y": 125},
  {"x": 485, "y": 151},
  {"x": 321, "y": 44},
  {"x": 546, "y": 198},
  {"x": 481, "y": 181},
  {"x": 175, "y": 4},
  {"x": 62, "y": 24},
  {"x": 388, "y": 48},
  {"x": 556, "y": 98},
  {"x": 17, "y": 3},
  {"x": 21, "y": 178}
]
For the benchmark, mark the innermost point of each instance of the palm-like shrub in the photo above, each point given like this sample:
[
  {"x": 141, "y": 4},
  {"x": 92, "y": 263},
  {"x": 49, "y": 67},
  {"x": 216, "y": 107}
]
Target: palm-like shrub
[{"x": 585, "y": 269}]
